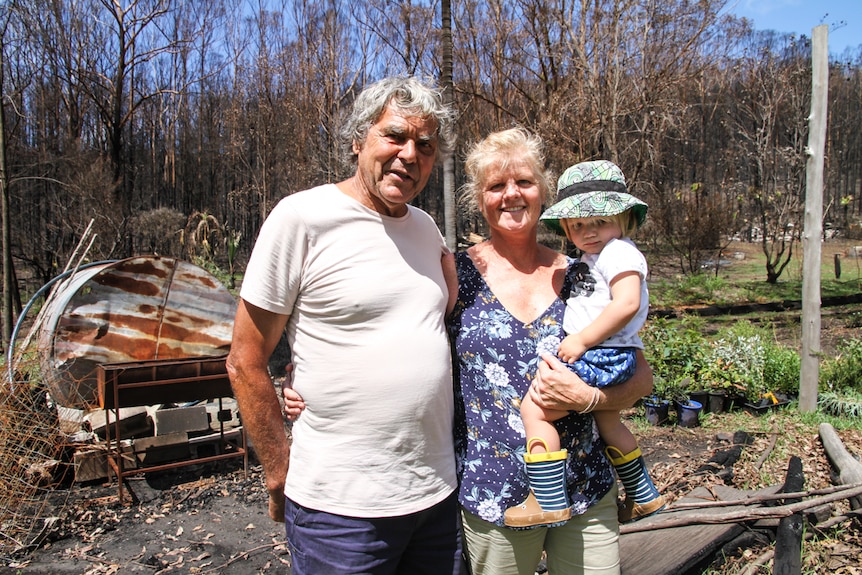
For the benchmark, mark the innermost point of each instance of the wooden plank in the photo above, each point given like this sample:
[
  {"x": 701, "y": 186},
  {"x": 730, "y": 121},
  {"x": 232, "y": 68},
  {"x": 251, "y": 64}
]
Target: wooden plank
[{"x": 679, "y": 549}]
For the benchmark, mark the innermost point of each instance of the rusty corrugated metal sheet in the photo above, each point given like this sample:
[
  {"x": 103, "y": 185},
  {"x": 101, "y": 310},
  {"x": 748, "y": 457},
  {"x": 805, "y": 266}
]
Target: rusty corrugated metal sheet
[{"x": 141, "y": 308}]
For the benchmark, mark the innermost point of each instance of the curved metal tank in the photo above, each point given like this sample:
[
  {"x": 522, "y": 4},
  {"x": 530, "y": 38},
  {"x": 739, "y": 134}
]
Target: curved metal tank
[{"x": 141, "y": 308}]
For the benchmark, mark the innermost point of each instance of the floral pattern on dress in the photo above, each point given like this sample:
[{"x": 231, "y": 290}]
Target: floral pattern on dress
[{"x": 495, "y": 359}]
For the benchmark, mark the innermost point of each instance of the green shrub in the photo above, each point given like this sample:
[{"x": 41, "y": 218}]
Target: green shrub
[
  {"x": 687, "y": 290},
  {"x": 844, "y": 371},
  {"x": 736, "y": 360},
  {"x": 746, "y": 358},
  {"x": 782, "y": 369},
  {"x": 675, "y": 351},
  {"x": 845, "y": 404}
]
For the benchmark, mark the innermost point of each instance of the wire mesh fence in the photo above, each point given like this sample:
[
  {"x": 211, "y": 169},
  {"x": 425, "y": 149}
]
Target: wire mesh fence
[{"x": 31, "y": 455}]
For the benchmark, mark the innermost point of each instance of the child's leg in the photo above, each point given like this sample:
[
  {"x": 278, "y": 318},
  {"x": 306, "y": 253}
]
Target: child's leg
[
  {"x": 614, "y": 432},
  {"x": 538, "y": 424},
  {"x": 548, "y": 503},
  {"x": 642, "y": 497}
]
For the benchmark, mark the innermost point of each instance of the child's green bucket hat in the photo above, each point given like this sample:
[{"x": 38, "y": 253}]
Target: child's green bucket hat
[{"x": 592, "y": 189}]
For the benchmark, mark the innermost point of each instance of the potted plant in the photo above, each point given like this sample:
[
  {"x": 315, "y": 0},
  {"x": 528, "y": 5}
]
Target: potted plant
[
  {"x": 688, "y": 413},
  {"x": 687, "y": 409},
  {"x": 676, "y": 392},
  {"x": 656, "y": 409},
  {"x": 736, "y": 365}
]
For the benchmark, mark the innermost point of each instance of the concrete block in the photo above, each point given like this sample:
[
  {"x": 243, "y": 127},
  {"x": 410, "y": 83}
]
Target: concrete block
[
  {"x": 71, "y": 420},
  {"x": 133, "y": 422},
  {"x": 91, "y": 462},
  {"x": 229, "y": 414},
  {"x": 180, "y": 419},
  {"x": 211, "y": 444},
  {"x": 162, "y": 448}
]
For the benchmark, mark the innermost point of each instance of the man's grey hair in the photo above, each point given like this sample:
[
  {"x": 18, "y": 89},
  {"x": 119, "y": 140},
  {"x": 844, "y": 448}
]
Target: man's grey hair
[{"x": 404, "y": 94}]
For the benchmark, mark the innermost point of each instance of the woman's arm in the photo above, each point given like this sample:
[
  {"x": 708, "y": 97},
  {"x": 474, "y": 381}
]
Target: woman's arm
[
  {"x": 557, "y": 387},
  {"x": 293, "y": 403}
]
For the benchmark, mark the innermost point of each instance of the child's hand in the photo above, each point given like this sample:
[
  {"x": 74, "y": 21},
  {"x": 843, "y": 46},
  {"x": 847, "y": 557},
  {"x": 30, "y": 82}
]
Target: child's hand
[{"x": 571, "y": 349}]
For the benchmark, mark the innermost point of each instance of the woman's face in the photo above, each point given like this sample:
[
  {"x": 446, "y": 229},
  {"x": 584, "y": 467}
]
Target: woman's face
[{"x": 511, "y": 199}]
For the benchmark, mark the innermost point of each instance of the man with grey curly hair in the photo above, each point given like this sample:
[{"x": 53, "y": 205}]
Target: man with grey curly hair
[
  {"x": 356, "y": 276},
  {"x": 406, "y": 94}
]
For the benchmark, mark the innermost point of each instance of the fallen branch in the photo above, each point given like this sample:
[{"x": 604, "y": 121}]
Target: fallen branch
[
  {"x": 838, "y": 519},
  {"x": 736, "y": 516},
  {"x": 769, "y": 448},
  {"x": 756, "y": 499},
  {"x": 849, "y": 470},
  {"x": 761, "y": 560},
  {"x": 244, "y": 555},
  {"x": 765, "y": 557}
]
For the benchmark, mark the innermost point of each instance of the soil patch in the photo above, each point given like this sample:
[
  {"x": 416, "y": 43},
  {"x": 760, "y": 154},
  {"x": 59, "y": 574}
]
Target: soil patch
[
  {"x": 212, "y": 518},
  {"x": 209, "y": 518}
]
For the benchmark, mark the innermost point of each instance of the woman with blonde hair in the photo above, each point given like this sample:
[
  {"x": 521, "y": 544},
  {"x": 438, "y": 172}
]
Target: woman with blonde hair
[{"x": 506, "y": 327}]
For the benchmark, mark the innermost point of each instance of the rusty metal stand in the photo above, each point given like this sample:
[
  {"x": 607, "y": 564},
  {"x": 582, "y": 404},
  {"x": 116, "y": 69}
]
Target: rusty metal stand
[{"x": 152, "y": 382}]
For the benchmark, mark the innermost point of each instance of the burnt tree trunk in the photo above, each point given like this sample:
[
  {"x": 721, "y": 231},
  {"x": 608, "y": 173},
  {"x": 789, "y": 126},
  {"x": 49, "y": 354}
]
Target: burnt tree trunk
[{"x": 788, "y": 538}]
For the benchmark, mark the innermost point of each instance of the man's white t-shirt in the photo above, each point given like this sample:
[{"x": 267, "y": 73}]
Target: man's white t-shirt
[{"x": 366, "y": 298}]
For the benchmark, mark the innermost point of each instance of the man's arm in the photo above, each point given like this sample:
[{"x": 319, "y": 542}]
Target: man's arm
[
  {"x": 255, "y": 334},
  {"x": 557, "y": 387}
]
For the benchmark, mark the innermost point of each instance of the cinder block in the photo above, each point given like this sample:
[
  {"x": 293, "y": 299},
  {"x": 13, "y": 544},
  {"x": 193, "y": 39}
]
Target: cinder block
[
  {"x": 180, "y": 419},
  {"x": 91, "y": 462},
  {"x": 133, "y": 422},
  {"x": 162, "y": 448},
  {"x": 229, "y": 414}
]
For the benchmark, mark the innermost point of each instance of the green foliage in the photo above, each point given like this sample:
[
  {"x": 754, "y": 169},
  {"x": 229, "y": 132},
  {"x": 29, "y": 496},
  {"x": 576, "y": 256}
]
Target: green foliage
[
  {"x": 844, "y": 371},
  {"x": 675, "y": 351},
  {"x": 688, "y": 290},
  {"x": 742, "y": 281},
  {"x": 743, "y": 357},
  {"x": 737, "y": 359},
  {"x": 782, "y": 369},
  {"x": 746, "y": 357},
  {"x": 209, "y": 265},
  {"x": 232, "y": 239},
  {"x": 847, "y": 403}
]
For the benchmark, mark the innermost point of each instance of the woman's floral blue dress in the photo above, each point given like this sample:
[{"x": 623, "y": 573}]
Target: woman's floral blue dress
[{"x": 495, "y": 360}]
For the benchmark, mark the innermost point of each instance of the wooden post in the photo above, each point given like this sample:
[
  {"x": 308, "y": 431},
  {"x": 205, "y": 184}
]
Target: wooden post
[{"x": 813, "y": 225}]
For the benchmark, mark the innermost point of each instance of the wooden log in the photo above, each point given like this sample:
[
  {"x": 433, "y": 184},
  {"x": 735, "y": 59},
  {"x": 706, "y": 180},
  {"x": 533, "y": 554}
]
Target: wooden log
[
  {"x": 849, "y": 470},
  {"x": 788, "y": 537}
]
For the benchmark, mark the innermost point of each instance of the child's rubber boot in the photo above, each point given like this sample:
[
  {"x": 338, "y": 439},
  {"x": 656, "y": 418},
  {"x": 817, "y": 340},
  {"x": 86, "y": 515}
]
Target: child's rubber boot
[
  {"x": 642, "y": 497},
  {"x": 548, "y": 504}
]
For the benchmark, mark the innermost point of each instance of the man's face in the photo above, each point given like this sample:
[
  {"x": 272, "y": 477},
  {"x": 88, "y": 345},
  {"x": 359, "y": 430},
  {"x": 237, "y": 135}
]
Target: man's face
[{"x": 395, "y": 161}]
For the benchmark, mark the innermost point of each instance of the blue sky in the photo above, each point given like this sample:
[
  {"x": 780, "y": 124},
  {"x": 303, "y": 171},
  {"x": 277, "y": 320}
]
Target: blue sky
[{"x": 844, "y": 18}]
